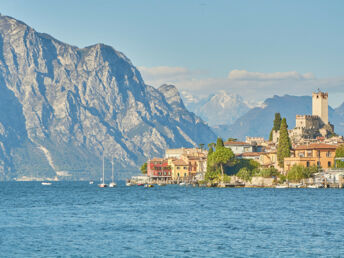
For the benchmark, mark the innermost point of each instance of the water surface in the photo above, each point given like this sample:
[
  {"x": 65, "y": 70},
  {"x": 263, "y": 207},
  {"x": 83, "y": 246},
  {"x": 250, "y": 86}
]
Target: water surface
[{"x": 78, "y": 219}]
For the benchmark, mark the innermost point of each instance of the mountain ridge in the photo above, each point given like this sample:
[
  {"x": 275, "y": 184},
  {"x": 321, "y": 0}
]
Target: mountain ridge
[{"x": 71, "y": 105}]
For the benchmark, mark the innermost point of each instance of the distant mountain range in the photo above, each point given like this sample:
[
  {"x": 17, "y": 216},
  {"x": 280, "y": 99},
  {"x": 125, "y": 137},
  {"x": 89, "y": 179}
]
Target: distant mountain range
[
  {"x": 62, "y": 108},
  {"x": 258, "y": 121},
  {"x": 217, "y": 109},
  {"x": 230, "y": 116}
]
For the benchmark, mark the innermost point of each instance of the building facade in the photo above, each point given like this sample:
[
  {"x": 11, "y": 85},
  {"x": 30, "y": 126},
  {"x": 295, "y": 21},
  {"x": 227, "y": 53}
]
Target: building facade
[
  {"x": 321, "y": 155},
  {"x": 159, "y": 169}
]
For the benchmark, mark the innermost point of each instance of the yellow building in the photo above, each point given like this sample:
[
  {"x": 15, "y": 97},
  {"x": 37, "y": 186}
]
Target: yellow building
[
  {"x": 321, "y": 155},
  {"x": 179, "y": 168}
]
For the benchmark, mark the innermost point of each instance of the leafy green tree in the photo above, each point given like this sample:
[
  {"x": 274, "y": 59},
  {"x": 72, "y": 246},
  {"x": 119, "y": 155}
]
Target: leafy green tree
[
  {"x": 298, "y": 172},
  {"x": 219, "y": 143},
  {"x": 232, "y": 139},
  {"x": 201, "y": 146},
  {"x": 268, "y": 172},
  {"x": 144, "y": 168},
  {"x": 211, "y": 145},
  {"x": 340, "y": 154},
  {"x": 245, "y": 174},
  {"x": 277, "y": 125},
  {"x": 284, "y": 145},
  {"x": 223, "y": 156}
]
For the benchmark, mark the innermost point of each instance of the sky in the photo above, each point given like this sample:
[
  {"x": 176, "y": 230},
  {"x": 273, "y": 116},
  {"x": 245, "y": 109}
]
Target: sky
[{"x": 256, "y": 49}]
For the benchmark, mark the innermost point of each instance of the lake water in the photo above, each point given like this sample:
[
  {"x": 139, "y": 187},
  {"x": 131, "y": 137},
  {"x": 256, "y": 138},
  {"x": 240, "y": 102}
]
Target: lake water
[{"x": 78, "y": 219}]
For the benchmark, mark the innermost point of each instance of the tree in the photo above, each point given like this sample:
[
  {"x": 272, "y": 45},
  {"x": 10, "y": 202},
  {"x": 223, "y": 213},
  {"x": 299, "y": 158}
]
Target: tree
[
  {"x": 232, "y": 139},
  {"x": 144, "y": 168},
  {"x": 284, "y": 145},
  {"x": 223, "y": 156},
  {"x": 211, "y": 150},
  {"x": 201, "y": 146},
  {"x": 211, "y": 145},
  {"x": 245, "y": 174},
  {"x": 298, "y": 172},
  {"x": 276, "y": 126},
  {"x": 219, "y": 143},
  {"x": 340, "y": 154}
]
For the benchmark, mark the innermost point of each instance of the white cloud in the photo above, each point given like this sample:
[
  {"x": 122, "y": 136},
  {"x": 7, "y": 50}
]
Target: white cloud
[{"x": 245, "y": 75}]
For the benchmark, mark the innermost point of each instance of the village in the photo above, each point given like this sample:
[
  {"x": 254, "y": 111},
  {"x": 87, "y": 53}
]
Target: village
[{"x": 309, "y": 156}]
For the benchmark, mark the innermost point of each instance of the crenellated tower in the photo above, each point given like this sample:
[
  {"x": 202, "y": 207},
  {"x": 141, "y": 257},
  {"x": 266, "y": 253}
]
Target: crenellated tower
[{"x": 320, "y": 105}]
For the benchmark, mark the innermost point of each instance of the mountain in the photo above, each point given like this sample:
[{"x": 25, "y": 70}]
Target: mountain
[
  {"x": 62, "y": 107},
  {"x": 258, "y": 121},
  {"x": 218, "y": 109}
]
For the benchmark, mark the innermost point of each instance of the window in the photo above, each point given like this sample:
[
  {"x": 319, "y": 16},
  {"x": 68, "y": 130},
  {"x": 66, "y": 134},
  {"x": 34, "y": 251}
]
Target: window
[
  {"x": 309, "y": 153},
  {"x": 329, "y": 164},
  {"x": 318, "y": 154},
  {"x": 301, "y": 154},
  {"x": 318, "y": 163},
  {"x": 308, "y": 164},
  {"x": 178, "y": 174},
  {"x": 184, "y": 167},
  {"x": 178, "y": 167},
  {"x": 184, "y": 174},
  {"x": 328, "y": 154}
]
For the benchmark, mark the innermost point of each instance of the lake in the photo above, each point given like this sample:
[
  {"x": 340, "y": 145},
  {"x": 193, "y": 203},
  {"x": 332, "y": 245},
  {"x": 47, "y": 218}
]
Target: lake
[{"x": 78, "y": 219}]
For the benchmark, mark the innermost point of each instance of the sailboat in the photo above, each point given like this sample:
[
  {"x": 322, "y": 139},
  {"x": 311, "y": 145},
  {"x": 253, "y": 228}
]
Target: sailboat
[
  {"x": 103, "y": 183},
  {"x": 112, "y": 184}
]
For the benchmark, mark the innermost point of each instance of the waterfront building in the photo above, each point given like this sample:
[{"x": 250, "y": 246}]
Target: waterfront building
[
  {"x": 321, "y": 155},
  {"x": 159, "y": 169},
  {"x": 179, "y": 169}
]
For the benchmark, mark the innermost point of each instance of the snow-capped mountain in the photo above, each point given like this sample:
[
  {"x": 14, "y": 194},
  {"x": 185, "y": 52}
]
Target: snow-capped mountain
[
  {"x": 220, "y": 108},
  {"x": 62, "y": 107}
]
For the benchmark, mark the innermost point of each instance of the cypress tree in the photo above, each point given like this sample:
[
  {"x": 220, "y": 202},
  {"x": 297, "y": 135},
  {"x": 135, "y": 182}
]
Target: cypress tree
[
  {"x": 219, "y": 143},
  {"x": 276, "y": 126},
  {"x": 284, "y": 144}
]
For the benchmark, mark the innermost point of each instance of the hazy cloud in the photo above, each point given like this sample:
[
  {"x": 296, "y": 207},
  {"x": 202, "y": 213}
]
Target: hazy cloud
[{"x": 245, "y": 75}]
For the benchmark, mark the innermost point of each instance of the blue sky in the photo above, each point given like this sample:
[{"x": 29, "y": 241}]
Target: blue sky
[{"x": 194, "y": 43}]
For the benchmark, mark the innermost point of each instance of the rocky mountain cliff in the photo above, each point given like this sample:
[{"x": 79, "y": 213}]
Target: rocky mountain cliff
[
  {"x": 258, "y": 121},
  {"x": 62, "y": 107}
]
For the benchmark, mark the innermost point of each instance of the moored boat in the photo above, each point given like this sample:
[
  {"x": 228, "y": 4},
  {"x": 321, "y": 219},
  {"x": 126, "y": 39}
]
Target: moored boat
[
  {"x": 112, "y": 184},
  {"x": 102, "y": 185},
  {"x": 282, "y": 186},
  {"x": 46, "y": 183}
]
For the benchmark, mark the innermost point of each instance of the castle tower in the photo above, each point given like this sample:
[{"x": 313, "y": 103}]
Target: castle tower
[{"x": 320, "y": 105}]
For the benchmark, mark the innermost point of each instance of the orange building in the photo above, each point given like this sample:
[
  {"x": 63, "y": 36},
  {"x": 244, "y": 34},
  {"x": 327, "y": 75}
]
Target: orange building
[{"x": 321, "y": 155}]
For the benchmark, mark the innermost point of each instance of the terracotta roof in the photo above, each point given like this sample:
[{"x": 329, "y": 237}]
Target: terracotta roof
[
  {"x": 316, "y": 146},
  {"x": 157, "y": 159},
  {"x": 236, "y": 143},
  {"x": 180, "y": 162},
  {"x": 251, "y": 154}
]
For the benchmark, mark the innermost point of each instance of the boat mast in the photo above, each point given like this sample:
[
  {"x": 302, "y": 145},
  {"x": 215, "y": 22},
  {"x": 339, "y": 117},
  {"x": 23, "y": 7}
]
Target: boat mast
[
  {"x": 103, "y": 169},
  {"x": 112, "y": 169}
]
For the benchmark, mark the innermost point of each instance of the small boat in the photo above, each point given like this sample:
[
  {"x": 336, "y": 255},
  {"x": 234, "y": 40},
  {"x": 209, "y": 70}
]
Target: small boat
[
  {"x": 91, "y": 182},
  {"x": 282, "y": 186},
  {"x": 162, "y": 184},
  {"x": 46, "y": 183},
  {"x": 112, "y": 184},
  {"x": 182, "y": 184},
  {"x": 102, "y": 185},
  {"x": 140, "y": 184},
  {"x": 315, "y": 186},
  {"x": 128, "y": 183},
  {"x": 148, "y": 185}
]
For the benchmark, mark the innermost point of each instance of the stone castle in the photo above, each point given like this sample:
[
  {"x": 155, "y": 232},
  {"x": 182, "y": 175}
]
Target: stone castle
[
  {"x": 312, "y": 126},
  {"x": 315, "y": 125}
]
